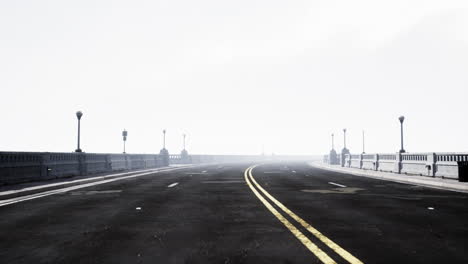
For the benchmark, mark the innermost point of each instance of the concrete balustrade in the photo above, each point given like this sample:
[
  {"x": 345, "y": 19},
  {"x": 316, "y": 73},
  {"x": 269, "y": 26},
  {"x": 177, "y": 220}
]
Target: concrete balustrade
[
  {"x": 354, "y": 161},
  {"x": 17, "y": 167},
  {"x": 443, "y": 165},
  {"x": 369, "y": 161}
]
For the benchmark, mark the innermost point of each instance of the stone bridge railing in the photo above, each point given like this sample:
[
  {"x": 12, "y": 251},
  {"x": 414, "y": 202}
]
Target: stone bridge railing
[
  {"x": 17, "y": 167},
  {"x": 443, "y": 165}
]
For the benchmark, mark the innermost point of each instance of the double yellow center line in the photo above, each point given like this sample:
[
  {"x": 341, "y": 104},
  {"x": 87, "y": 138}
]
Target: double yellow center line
[{"x": 252, "y": 183}]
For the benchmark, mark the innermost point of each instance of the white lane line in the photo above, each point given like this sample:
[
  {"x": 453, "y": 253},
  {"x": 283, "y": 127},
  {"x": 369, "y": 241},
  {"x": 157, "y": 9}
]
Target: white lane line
[
  {"x": 172, "y": 185},
  {"x": 204, "y": 171},
  {"x": 95, "y": 192},
  {"x": 67, "y": 189},
  {"x": 71, "y": 182},
  {"x": 336, "y": 184}
]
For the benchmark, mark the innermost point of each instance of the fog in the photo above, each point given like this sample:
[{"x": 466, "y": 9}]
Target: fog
[{"x": 238, "y": 77}]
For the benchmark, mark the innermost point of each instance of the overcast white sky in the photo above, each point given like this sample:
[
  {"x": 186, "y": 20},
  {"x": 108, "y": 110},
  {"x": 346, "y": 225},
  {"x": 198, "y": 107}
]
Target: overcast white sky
[{"x": 233, "y": 75}]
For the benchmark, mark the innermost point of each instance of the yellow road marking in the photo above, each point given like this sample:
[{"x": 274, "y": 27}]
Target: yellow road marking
[
  {"x": 339, "y": 250},
  {"x": 299, "y": 235}
]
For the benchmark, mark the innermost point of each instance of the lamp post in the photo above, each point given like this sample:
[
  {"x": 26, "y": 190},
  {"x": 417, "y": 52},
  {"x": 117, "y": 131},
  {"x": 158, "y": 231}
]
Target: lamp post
[
  {"x": 184, "y": 154},
  {"x": 333, "y": 140},
  {"x": 79, "y": 114},
  {"x": 344, "y": 137},
  {"x": 401, "y": 118},
  {"x": 164, "y": 139},
  {"x": 124, "y": 135},
  {"x": 363, "y": 143}
]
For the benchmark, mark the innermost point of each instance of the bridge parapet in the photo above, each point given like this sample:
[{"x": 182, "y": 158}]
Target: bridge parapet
[
  {"x": 17, "y": 167},
  {"x": 443, "y": 165}
]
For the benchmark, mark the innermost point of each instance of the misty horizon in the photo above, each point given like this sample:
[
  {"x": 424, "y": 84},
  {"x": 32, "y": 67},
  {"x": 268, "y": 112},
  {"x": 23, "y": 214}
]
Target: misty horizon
[{"x": 246, "y": 77}]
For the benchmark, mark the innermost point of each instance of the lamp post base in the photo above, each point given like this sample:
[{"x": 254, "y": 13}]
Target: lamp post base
[
  {"x": 78, "y": 150},
  {"x": 402, "y": 151}
]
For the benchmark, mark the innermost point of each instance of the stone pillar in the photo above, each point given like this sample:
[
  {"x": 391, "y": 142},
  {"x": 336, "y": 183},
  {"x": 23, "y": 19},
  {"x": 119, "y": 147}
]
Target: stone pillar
[
  {"x": 164, "y": 153},
  {"x": 82, "y": 163},
  {"x": 333, "y": 158},
  {"x": 398, "y": 163},
  {"x": 431, "y": 164},
  {"x": 127, "y": 162},
  {"x": 361, "y": 158},
  {"x": 185, "y": 158},
  {"x": 108, "y": 162},
  {"x": 376, "y": 162},
  {"x": 45, "y": 170},
  {"x": 344, "y": 151}
]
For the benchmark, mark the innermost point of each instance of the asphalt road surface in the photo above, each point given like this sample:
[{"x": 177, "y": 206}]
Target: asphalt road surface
[{"x": 235, "y": 213}]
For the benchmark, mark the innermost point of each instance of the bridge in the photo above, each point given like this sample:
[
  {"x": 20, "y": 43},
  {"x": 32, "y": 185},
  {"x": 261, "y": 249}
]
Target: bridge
[{"x": 180, "y": 208}]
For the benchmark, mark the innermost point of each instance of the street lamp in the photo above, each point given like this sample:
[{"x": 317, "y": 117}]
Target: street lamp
[
  {"x": 363, "y": 143},
  {"x": 124, "y": 135},
  {"x": 333, "y": 141},
  {"x": 184, "y": 140},
  {"x": 401, "y": 118},
  {"x": 164, "y": 139},
  {"x": 79, "y": 114},
  {"x": 344, "y": 136}
]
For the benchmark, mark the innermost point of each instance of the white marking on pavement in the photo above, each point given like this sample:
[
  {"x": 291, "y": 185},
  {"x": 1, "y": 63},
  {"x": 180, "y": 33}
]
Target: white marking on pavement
[
  {"x": 293, "y": 171},
  {"x": 71, "y": 182},
  {"x": 95, "y": 192},
  {"x": 204, "y": 171},
  {"x": 138, "y": 208},
  {"x": 336, "y": 184},
  {"x": 430, "y": 208},
  {"x": 67, "y": 189},
  {"x": 172, "y": 185}
]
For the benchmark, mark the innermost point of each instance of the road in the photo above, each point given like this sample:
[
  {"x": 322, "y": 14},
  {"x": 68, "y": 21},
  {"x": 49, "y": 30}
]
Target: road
[{"x": 236, "y": 213}]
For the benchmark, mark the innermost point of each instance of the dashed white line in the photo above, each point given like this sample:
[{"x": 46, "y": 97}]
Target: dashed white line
[
  {"x": 336, "y": 184},
  {"x": 172, "y": 185}
]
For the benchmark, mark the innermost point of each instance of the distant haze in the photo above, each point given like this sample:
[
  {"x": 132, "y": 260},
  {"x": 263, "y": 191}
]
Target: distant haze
[{"x": 238, "y": 77}]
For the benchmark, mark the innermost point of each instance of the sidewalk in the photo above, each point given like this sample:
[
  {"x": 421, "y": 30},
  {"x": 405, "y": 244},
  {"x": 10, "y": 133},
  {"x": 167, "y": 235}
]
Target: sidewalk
[{"x": 445, "y": 184}]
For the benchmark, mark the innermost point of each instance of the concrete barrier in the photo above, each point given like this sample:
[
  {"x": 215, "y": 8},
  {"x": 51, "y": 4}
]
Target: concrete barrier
[
  {"x": 18, "y": 167},
  {"x": 369, "y": 161},
  {"x": 442, "y": 165}
]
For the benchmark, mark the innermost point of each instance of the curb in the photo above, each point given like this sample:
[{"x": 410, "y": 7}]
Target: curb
[{"x": 449, "y": 186}]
